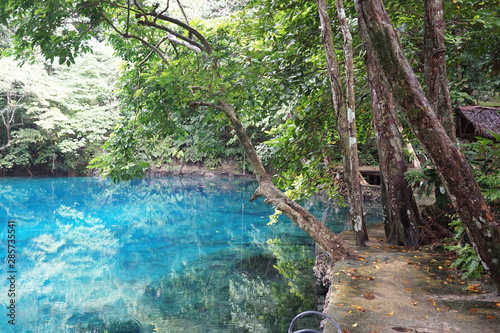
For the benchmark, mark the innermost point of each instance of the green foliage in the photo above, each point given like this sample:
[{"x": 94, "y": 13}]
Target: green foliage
[
  {"x": 484, "y": 157},
  {"x": 467, "y": 259},
  {"x": 122, "y": 165},
  {"x": 472, "y": 49},
  {"x": 267, "y": 62},
  {"x": 426, "y": 181},
  {"x": 62, "y": 116}
]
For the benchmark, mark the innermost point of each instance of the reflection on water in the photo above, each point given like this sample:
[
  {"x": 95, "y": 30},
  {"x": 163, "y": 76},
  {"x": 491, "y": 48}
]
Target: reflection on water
[{"x": 157, "y": 255}]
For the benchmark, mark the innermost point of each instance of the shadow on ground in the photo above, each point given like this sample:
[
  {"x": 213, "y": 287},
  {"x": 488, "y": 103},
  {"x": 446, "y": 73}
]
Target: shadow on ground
[{"x": 393, "y": 289}]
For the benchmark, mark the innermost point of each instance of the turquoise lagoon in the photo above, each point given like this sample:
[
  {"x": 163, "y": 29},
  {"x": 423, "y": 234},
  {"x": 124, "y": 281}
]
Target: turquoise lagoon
[{"x": 152, "y": 255}]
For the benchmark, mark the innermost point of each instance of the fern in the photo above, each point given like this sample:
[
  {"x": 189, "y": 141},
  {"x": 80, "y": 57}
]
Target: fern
[{"x": 467, "y": 261}]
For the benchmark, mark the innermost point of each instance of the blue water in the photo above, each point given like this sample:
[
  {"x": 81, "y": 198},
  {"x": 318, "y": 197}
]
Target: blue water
[{"x": 161, "y": 253}]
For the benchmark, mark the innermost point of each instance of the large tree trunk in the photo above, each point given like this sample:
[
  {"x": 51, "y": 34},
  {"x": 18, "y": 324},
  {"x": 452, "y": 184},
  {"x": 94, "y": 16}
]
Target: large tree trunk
[
  {"x": 401, "y": 215},
  {"x": 436, "y": 79},
  {"x": 379, "y": 36},
  {"x": 335, "y": 246},
  {"x": 346, "y": 122}
]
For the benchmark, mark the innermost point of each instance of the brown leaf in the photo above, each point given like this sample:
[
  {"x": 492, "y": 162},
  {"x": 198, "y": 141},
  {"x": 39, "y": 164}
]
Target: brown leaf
[
  {"x": 401, "y": 329},
  {"x": 369, "y": 296}
]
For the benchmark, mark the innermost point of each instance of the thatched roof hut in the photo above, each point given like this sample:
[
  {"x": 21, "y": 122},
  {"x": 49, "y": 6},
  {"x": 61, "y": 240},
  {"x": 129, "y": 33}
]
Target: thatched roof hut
[{"x": 472, "y": 121}]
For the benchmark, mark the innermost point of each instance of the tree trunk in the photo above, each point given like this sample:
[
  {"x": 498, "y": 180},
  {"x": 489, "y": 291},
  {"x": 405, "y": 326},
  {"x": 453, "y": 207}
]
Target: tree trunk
[
  {"x": 336, "y": 247},
  {"x": 379, "y": 36},
  {"x": 346, "y": 122},
  {"x": 436, "y": 79},
  {"x": 401, "y": 215}
]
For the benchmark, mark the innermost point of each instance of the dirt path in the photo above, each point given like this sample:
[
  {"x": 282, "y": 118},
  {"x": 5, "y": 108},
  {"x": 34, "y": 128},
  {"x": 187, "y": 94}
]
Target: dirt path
[{"x": 397, "y": 290}]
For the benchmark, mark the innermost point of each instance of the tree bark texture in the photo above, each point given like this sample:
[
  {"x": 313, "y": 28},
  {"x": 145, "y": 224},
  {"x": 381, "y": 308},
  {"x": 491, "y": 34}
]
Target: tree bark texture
[
  {"x": 401, "y": 215},
  {"x": 336, "y": 247},
  {"x": 346, "y": 122},
  {"x": 379, "y": 36},
  {"x": 436, "y": 79}
]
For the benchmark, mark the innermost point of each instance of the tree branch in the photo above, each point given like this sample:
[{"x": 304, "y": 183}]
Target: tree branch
[
  {"x": 206, "y": 46},
  {"x": 145, "y": 42},
  {"x": 175, "y": 36}
]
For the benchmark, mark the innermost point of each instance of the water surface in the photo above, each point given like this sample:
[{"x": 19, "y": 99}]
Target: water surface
[{"x": 156, "y": 255}]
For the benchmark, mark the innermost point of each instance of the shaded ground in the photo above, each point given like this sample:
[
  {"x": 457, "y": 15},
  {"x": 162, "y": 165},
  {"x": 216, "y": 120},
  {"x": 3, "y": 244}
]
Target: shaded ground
[{"x": 398, "y": 290}]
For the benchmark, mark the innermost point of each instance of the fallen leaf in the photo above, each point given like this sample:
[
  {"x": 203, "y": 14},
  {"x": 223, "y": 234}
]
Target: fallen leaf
[
  {"x": 390, "y": 314},
  {"x": 473, "y": 310},
  {"x": 355, "y": 325},
  {"x": 490, "y": 317},
  {"x": 498, "y": 304},
  {"x": 369, "y": 295},
  {"x": 359, "y": 308},
  {"x": 401, "y": 329},
  {"x": 409, "y": 289}
]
